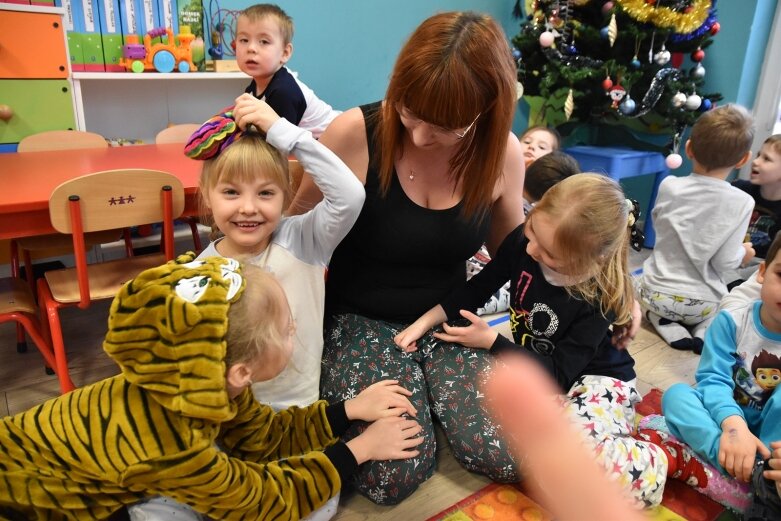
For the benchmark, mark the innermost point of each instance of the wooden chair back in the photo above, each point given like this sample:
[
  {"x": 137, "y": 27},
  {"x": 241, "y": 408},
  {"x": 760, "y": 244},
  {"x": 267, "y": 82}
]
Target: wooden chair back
[
  {"x": 61, "y": 140},
  {"x": 176, "y": 133},
  {"x": 110, "y": 199}
]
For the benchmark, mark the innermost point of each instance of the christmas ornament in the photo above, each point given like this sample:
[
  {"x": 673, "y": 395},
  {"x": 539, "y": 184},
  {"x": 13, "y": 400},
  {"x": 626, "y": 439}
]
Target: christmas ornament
[
  {"x": 612, "y": 30},
  {"x": 518, "y": 90},
  {"x": 607, "y": 84},
  {"x": 673, "y": 161},
  {"x": 569, "y": 105},
  {"x": 516, "y": 54},
  {"x": 706, "y": 105},
  {"x": 627, "y": 106},
  {"x": 635, "y": 63},
  {"x": 546, "y": 39},
  {"x": 603, "y": 33},
  {"x": 662, "y": 57},
  {"x": 698, "y": 55},
  {"x": 679, "y": 99},
  {"x": 616, "y": 94},
  {"x": 698, "y": 71},
  {"x": 693, "y": 102},
  {"x": 607, "y": 7},
  {"x": 715, "y": 28}
]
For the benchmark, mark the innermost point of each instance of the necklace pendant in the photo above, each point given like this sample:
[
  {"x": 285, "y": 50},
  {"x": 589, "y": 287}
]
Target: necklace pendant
[{"x": 411, "y": 177}]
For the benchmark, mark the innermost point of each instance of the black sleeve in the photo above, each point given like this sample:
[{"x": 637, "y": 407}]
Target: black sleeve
[
  {"x": 337, "y": 418},
  {"x": 476, "y": 291},
  {"x": 288, "y": 105}
]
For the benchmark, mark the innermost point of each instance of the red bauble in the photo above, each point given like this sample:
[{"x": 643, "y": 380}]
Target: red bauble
[
  {"x": 715, "y": 28},
  {"x": 698, "y": 55},
  {"x": 607, "y": 84}
]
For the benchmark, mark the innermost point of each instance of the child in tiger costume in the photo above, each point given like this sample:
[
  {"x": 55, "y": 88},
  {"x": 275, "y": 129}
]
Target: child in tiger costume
[{"x": 181, "y": 421}]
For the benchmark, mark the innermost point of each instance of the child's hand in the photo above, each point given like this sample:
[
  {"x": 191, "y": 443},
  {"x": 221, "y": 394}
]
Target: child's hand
[
  {"x": 624, "y": 334},
  {"x": 750, "y": 252},
  {"x": 775, "y": 463},
  {"x": 251, "y": 111},
  {"x": 380, "y": 400},
  {"x": 408, "y": 338},
  {"x": 387, "y": 438},
  {"x": 478, "y": 334},
  {"x": 738, "y": 448}
]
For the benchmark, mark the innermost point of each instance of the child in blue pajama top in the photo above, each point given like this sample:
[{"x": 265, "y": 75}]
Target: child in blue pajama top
[{"x": 733, "y": 414}]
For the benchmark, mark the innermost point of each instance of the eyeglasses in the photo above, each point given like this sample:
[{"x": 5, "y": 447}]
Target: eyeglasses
[{"x": 411, "y": 120}]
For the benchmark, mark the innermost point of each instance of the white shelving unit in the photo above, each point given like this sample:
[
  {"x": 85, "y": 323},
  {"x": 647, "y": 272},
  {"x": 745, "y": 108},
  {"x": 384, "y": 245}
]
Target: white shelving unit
[{"x": 137, "y": 106}]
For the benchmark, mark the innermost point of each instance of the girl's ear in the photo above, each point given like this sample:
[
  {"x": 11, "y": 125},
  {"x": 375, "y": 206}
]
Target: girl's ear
[{"x": 238, "y": 376}]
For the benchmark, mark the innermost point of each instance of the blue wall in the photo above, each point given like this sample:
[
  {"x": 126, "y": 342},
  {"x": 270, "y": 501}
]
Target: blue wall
[{"x": 345, "y": 50}]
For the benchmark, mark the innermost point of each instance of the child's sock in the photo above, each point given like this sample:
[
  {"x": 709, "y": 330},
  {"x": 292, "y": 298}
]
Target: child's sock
[
  {"x": 674, "y": 333},
  {"x": 681, "y": 463}
]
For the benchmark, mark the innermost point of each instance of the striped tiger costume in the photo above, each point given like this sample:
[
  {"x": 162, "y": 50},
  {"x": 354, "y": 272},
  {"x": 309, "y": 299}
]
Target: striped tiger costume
[{"x": 155, "y": 429}]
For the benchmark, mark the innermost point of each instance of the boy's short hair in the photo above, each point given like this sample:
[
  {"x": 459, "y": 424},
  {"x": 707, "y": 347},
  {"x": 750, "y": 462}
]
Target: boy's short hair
[
  {"x": 773, "y": 249},
  {"x": 548, "y": 170},
  {"x": 774, "y": 142},
  {"x": 259, "y": 11},
  {"x": 722, "y": 136}
]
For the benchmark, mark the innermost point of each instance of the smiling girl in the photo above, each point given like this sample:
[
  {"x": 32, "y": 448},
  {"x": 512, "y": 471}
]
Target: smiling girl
[{"x": 245, "y": 186}]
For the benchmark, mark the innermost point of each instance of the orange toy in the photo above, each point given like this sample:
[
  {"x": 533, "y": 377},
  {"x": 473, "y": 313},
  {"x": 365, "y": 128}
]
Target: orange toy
[{"x": 164, "y": 56}]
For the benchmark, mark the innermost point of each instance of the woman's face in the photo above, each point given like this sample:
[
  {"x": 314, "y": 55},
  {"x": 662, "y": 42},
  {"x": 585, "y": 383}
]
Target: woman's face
[{"x": 425, "y": 135}]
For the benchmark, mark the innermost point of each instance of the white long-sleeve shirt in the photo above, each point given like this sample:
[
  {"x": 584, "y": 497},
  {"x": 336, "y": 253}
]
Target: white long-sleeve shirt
[
  {"x": 298, "y": 254},
  {"x": 700, "y": 225}
]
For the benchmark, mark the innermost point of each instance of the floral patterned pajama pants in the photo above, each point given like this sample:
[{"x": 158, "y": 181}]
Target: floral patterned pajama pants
[{"x": 444, "y": 380}]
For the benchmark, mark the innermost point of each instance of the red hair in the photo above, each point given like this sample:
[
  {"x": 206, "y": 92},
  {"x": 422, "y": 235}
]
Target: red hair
[{"x": 455, "y": 66}]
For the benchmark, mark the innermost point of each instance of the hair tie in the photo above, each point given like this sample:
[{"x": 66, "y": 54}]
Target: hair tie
[
  {"x": 636, "y": 237},
  {"x": 213, "y": 137}
]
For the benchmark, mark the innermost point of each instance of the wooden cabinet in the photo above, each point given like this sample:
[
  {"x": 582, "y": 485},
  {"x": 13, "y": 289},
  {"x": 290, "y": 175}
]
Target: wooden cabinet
[
  {"x": 35, "y": 85},
  {"x": 32, "y": 45}
]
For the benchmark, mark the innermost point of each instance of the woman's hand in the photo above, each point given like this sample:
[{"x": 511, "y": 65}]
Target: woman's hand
[
  {"x": 738, "y": 448},
  {"x": 407, "y": 339},
  {"x": 478, "y": 334},
  {"x": 380, "y": 400},
  {"x": 251, "y": 111},
  {"x": 387, "y": 438},
  {"x": 624, "y": 334}
]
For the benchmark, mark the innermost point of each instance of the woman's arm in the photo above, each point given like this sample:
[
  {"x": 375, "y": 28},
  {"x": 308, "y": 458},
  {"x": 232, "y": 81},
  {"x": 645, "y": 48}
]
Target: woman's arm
[
  {"x": 345, "y": 137},
  {"x": 507, "y": 209}
]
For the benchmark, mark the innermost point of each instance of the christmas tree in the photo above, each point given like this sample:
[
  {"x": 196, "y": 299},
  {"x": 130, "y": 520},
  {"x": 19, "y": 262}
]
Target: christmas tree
[{"x": 617, "y": 62}]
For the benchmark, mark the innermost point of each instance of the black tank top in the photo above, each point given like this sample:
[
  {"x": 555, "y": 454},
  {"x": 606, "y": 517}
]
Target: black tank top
[{"x": 399, "y": 259}]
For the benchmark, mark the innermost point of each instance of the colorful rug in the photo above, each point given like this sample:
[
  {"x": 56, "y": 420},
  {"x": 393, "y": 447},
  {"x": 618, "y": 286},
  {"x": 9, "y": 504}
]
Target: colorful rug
[{"x": 509, "y": 503}]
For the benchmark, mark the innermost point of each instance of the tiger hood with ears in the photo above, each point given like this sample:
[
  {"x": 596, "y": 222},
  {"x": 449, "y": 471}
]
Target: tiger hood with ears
[
  {"x": 166, "y": 426},
  {"x": 167, "y": 329}
]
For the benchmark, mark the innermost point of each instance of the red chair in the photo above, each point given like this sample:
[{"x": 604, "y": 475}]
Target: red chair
[{"x": 96, "y": 202}]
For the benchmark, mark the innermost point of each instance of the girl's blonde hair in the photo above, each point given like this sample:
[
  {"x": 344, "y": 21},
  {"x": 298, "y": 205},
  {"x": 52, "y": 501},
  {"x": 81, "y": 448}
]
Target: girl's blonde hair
[
  {"x": 244, "y": 160},
  {"x": 455, "y": 68},
  {"x": 592, "y": 218},
  {"x": 253, "y": 320}
]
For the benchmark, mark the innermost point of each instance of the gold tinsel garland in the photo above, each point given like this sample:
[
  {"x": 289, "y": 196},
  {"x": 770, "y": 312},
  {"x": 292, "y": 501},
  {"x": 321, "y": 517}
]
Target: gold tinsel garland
[{"x": 680, "y": 23}]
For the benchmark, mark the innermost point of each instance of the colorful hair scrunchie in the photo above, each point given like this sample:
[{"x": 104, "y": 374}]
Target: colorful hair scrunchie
[{"x": 215, "y": 134}]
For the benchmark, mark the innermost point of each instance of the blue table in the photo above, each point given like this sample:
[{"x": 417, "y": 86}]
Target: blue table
[{"x": 622, "y": 163}]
